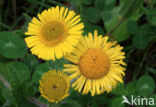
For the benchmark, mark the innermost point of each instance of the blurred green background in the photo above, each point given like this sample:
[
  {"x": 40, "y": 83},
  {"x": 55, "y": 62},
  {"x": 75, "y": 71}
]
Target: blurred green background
[{"x": 131, "y": 22}]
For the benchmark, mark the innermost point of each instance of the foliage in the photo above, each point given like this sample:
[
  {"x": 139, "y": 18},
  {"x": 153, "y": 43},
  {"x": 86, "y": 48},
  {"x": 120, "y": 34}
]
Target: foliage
[{"x": 131, "y": 22}]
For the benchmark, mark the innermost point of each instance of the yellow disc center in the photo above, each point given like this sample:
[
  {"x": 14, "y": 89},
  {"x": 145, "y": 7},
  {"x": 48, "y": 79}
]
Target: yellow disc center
[
  {"x": 53, "y": 32},
  {"x": 94, "y": 64},
  {"x": 55, "y": 87}
]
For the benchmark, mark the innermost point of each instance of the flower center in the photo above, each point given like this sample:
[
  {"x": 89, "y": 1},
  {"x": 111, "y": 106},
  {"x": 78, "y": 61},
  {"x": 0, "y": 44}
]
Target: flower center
[
  {"x": 53, "y": 32},
  {"x": 94, "y": 64},
  {"x": 55, "y": 87}
]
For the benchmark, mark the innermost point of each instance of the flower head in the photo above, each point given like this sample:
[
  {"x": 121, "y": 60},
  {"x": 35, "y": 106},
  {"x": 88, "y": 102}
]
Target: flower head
[
  {"x": 98, "y": 64},
  {"x": 54, "y": 86},
  {"x": 55, "y": 33}
]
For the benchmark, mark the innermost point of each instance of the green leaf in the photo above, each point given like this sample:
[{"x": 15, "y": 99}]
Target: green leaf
[
  {"x": 11, "y": 45},
  {"x": 31, "y": 61},
  {"x": 153, "y": 20},
  {"x": 90, "y": 28},
  {"x": 140, "y": 41},
  {"x": 130, "y": 7},
  {"x": 58, "y": 64},
  {"x": 149, "y": 31},
  {"x": 119, "y": 89},
  {"x": 20, "y": 80},
  {"x": 4, "y": 70},
  {"x": 3, "y": 59},
  {"x": 39, "y": 71},
  {"x": 132, "y": 27},
  {"x": 102, "y": 99},
  {"x": 2, "y": 86},
  {"x": 2, "y": 100},
  {"x": 116, "y": 102},
  {"x": 16, "y": 71},
  {"x": 83, "y": 99},
  {"x": 26, "y": 103},
  {"x": 121, "y": 33},
  {"x": 68, "y": 103},
  {"x": 43, "y": 100},
  {"x": 8, "y": 95},
  {"x": 151, "y": 15},
  {"x": 145, "y": 85},
  {"x": 109, "y": 4},
  {"x": 73, "y": 103},
  {"x": 92, "y": 103},
  {"x": 99, "y": 4},
  {"x": 130, "y": 88},
  {"x": 152, "y": 38},
  {"x": 110, "y": 18},
  {"x": 92, "y": 15},
  {"x": 146, "y": 29},
  {"x": 86, "y": 2}
]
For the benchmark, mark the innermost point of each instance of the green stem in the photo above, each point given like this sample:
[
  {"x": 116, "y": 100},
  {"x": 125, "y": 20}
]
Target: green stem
[
  {"x": 40, "y": 9},
  {"x": 129, "y": 53},
  {"x": 137, "y": 71},
  {"x": 120, "y": 20},
  {"x": 4, "y": 25},
  {"x": 144, "y": 56},
  {"x": 26, "y": 16},
  {"x": 36, "y": 102}
]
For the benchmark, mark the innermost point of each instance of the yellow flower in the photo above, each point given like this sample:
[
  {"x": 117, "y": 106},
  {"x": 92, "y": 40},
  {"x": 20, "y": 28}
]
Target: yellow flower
[
  {"x": 54, "y": 86},
  {"x": 55, "y": 33},
  {"x": 98, "y": 65}
]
